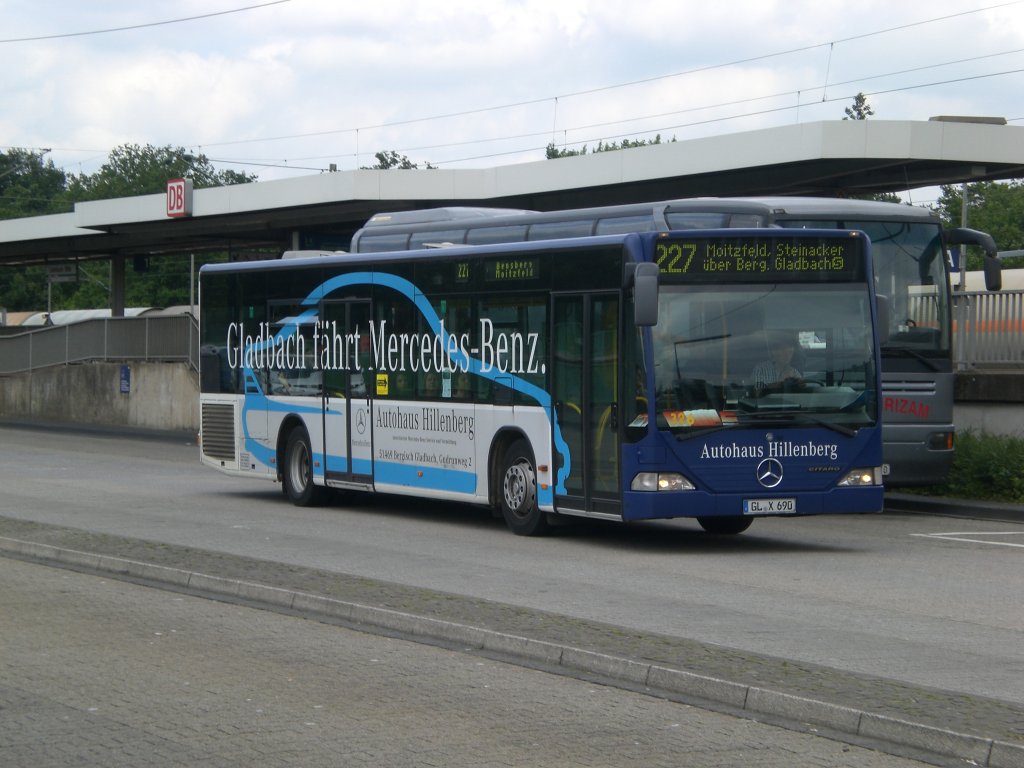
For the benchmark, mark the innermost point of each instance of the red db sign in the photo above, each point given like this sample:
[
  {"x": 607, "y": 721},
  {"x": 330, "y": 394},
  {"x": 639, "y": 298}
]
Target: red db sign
[{"x": 179, "y": 197}]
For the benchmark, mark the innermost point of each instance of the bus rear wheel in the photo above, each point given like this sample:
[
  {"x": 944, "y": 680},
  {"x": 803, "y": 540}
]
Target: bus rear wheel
[
  {"x": 298, "y": 471},
  {"x": 518, "y": 496},
  {"x": 725, "y": 526}
]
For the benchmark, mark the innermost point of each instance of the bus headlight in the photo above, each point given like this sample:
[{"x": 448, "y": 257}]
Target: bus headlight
[
  {"x": 661, "y": 481},
  {"x": 861, "y": 477}
]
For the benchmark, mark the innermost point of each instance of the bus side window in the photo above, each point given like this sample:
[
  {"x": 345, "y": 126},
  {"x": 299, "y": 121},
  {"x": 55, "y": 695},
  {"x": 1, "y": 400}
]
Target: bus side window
[
  {"x": 462, "y": 386},
  {"x": 614, "y": 225},
  {"x": 430, "y": 385}
]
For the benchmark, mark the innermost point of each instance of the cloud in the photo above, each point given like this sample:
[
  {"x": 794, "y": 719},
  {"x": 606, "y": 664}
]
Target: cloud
[{"x": 518, "y": 73}]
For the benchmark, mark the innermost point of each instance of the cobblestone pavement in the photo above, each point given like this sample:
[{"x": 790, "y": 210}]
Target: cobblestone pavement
[{"x": 99, "y": 672}]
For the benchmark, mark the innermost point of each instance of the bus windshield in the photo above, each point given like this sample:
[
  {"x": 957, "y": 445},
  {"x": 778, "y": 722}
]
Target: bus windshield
[
  {"x": 766, "y": 354},
  {"x": 909, "y": 270}
]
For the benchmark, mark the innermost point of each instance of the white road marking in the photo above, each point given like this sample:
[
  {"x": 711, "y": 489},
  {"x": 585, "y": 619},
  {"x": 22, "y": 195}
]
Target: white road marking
[{"x": 963, "y": 536}]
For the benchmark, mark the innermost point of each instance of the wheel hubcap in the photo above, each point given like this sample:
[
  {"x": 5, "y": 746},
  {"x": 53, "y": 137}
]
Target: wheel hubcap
[{"x": 517, "y": 488}]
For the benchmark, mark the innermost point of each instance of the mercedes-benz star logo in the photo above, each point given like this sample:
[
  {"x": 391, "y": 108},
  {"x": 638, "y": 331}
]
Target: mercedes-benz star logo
[{"x": 769, "y": 473}]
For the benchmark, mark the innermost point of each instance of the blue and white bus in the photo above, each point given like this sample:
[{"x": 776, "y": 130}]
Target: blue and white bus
[{"x": 718, "y": 375}]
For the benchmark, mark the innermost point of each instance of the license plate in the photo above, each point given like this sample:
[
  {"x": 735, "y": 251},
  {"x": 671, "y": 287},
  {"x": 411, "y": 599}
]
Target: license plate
[{"x": 769, "y": 506}]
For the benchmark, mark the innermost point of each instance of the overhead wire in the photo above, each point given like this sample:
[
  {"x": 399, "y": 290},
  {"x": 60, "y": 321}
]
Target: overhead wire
[
  {"x": 289, "y": 163},
  {"x": 648, "y": 131},
  {"x": 60, "y": 35},
  {"x": 601, "y": 89}
]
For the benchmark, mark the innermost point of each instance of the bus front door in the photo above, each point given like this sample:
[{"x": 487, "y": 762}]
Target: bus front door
[
  {"x": 348, "y": 390},
  {"x": 586, "y": 378}
]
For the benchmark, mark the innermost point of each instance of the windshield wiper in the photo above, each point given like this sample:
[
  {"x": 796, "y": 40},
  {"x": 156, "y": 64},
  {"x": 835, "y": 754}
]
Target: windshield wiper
[{"x": 785, "y": 417}]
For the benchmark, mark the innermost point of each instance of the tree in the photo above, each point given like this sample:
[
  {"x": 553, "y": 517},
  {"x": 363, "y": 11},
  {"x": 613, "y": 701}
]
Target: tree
[
  {"x": 992, "y": 206},
  {"x": 389, "y": 159},
  {"x": 31, "y": 187},
  {"x": 28, "y": 186},
  {"x": 134, "y": 170},
  {"x": 551, "y": 151},
  {"x": 860, "y": 110}
]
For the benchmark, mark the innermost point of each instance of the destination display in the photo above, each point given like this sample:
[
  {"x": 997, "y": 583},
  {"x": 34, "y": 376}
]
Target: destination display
[
  {"x": 512, "y": 269},
  {"x": 782, "y": 259}
]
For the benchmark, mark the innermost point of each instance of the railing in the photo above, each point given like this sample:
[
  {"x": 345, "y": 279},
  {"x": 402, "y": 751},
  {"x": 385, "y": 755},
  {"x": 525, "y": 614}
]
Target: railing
[
  {"x": 172, "y": 338},
  {"x": 988, "y": 329}
]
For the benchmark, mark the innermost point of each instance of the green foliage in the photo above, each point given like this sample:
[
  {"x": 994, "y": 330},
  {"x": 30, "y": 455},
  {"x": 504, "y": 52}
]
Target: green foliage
[
  {"x": 28, "y": 186},
  {"x": 860, "y": 110},
  {"x": 985, "y": 467},
  {"x": 552, "y": 152},
  {"x": 389, "y": 159},
  {"x": 133, "y": 170},
  {"x": 881, "y": 197},
  {"x": 992, "y": 206},
  {"x": 164, "y": 283},
  {"x": 23, "y": 289}
]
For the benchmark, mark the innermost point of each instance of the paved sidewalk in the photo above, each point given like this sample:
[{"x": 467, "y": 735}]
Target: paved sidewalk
[
  {"x": 101, "y": 673},
  {"x": 985, "y": 731}
]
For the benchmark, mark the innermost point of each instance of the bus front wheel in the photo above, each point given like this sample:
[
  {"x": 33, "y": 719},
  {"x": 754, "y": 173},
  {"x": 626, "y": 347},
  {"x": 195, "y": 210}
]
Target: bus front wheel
[
  {"x": 518, "y": 496},
  {"x": 725, "y": 526},
  {"x": 298, "y": 471}
]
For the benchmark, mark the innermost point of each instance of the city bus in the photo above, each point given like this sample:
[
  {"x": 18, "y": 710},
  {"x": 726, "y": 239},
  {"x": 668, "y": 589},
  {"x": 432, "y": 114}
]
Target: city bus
[
  {"x": 911, "y": 269},
  {"x": 624, "y": 377}
]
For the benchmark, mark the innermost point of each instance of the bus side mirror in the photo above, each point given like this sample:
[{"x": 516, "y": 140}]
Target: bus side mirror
[
  {"x": 882, "y": 312},
  {"x": 645, "y": 294},
  {"x": 993, "y": 269}
]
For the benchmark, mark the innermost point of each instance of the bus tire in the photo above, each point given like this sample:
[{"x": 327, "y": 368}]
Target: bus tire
[
  {"x": 297, "y": 476},
  {"x": 517, "y": 495},
  {"x": 725, "y": 526}
]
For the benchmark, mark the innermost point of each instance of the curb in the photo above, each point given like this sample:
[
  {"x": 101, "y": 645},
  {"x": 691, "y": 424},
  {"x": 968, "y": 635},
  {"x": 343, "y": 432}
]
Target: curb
[
  {"x": 936, "y": 505},
  {"x": 615, "y": 670}
]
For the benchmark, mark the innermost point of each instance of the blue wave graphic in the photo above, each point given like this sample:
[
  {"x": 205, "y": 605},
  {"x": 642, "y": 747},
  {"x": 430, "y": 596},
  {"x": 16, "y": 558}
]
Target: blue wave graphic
[{"x": 256, "y": 398}]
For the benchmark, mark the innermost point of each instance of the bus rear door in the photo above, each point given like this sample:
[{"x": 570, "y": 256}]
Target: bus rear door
[{"x": 348, "y": 392}]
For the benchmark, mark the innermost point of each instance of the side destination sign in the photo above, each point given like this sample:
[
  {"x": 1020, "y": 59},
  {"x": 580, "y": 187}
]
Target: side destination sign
[{"x": 761, "y": 259}]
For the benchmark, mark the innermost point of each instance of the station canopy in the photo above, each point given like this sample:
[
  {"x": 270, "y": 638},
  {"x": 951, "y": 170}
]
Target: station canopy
[{"x": 832, "y": 158}]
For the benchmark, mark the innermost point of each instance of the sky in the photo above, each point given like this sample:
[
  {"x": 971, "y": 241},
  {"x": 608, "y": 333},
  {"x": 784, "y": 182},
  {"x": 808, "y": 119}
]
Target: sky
[{"x": 284, "y": 88}]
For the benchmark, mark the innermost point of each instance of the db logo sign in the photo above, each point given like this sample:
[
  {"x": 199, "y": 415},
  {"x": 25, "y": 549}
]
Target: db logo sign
[{"x": 179, "y": 197}]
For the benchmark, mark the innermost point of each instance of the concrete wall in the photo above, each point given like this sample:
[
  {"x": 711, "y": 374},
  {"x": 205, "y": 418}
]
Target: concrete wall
[
  {"x": 990, "y": 402},
  {"x": 163, "y": 396},
  {"x": 990, "y": 418}
]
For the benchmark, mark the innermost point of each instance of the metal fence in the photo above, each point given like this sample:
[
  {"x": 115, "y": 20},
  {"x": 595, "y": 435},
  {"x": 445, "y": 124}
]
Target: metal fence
[
  {"x": 158, "y": 339},
  {"x": 988, "y": 329}
]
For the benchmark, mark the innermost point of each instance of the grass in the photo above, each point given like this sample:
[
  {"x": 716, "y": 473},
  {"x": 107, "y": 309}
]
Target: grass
[{"x": 985, "y": 467}]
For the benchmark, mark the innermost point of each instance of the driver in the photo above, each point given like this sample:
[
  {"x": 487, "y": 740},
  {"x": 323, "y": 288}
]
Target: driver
[{"x": 780, "y": 368}]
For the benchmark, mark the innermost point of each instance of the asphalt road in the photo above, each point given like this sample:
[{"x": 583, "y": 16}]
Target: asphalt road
[
  {"x": 100, "y": 673},
  {"x": 901, "y": 611},
  {"x": 932, "y": 601}
]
